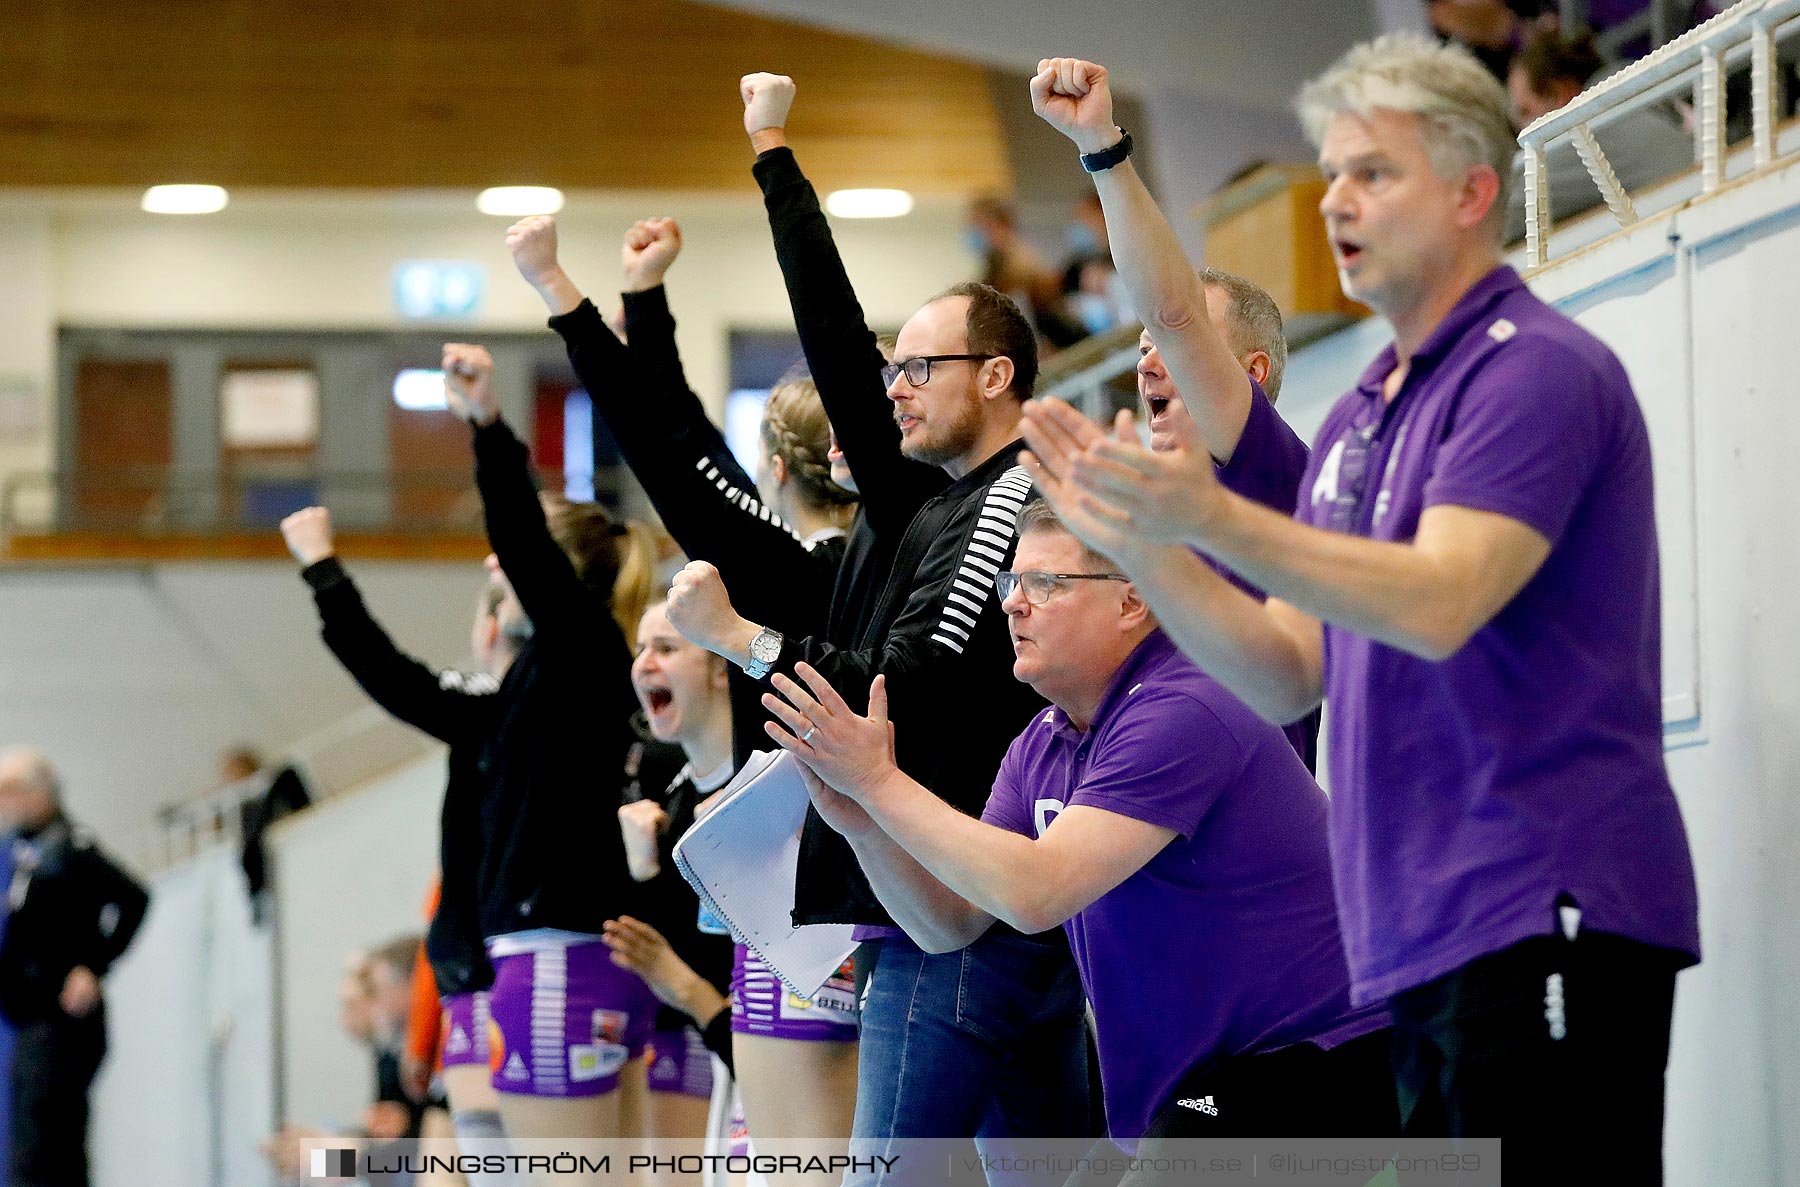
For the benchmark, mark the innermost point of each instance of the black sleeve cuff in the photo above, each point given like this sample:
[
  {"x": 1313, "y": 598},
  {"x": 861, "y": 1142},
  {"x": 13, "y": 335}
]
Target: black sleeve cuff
[
  {"x": 647, "y": 304},
  {"x": 717, "y": 1036},
  {"x": 774, "y": 167},
  {"x": 324, "y": 574},
  {"x": 584, "y": 317},
  {"x": 495, "y": 434}
]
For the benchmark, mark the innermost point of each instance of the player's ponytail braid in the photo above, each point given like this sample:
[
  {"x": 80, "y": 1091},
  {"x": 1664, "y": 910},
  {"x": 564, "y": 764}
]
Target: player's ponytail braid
[{"x": 796, "y": 430}]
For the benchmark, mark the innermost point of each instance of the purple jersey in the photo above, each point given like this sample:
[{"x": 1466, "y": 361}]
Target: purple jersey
[
  {"x": 1224, "y": 943},
  {"x": 1468, "y": 794},
  {"x": 1266, "y": 467}
]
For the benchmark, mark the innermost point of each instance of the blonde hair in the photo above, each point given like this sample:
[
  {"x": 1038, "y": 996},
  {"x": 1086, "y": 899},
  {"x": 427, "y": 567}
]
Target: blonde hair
[
  {"x": 796, "y": 430},
  {"x": 634, "y": 589},
  {"x": 1464, "y": 116}
]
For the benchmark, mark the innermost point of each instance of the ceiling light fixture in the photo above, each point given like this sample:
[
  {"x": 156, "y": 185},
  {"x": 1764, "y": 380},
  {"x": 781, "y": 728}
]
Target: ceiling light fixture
[
  {"x": 517, "y": 201},
  {"x": 869, "y": 203},
  {"x": 184, "y": 199}
]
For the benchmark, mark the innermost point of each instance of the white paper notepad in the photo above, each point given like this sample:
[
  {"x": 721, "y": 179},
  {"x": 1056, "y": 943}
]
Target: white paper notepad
[{"x": 740, "y": 859}]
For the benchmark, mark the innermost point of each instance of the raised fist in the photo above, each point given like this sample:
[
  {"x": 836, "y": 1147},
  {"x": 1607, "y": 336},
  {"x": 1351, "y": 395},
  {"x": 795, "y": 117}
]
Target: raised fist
[
  {"x": 468, "y": 382},
  {"x": 532, "y": 242},
  {"x": 700, "y": 608},
  {"x": 641, "y": 822},
  {"x": 650, "y": 246},
  {"x": 308, "y": 534},
  {"x": 767, "y": 98},
  {"x": 1073, "y": 97}
]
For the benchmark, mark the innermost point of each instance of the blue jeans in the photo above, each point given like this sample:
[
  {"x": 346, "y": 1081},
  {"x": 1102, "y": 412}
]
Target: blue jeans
[{"x": 988, "y": 1042}]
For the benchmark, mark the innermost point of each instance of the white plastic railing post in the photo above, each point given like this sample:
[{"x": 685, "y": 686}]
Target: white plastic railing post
[
  {"x": 1712, "y": 120},
  {"x": 1763, "y": 88},
  {"x": 1537, "y": 207},
  {"x": 1601, "y": 170}
]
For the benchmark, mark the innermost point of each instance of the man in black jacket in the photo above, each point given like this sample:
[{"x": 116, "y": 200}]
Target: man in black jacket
[
  {"x": 997, "y": 1028},
  {"x": 71, "y": 913}
]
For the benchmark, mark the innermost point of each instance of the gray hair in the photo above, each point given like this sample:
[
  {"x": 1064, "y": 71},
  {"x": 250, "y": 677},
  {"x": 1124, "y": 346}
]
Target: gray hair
[
  {"x": 1464, "y": 115},
  {"x": 1252, "y": 322},
  {"x": 1039, "y": 516}
]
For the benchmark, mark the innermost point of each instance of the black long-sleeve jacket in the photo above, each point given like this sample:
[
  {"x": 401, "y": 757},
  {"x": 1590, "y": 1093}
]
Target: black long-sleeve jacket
[
  {"x": 460, "y": 709},
  {"x": 935, "y": 629},
  {"x": 553, "y": 771},
  {"x": 70, "y": 907},
  {"x": 706, "y": 500}
]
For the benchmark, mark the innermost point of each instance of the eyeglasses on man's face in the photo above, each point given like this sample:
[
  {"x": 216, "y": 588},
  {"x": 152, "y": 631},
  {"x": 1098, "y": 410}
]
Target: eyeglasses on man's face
[
  {"x": 1039, "y": 585},
  {"x": 918, "y": 370}
]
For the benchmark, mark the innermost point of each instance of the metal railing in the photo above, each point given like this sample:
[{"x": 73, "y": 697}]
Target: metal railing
[
  {"x": 1747, "y": 30},
  {"x": 150, "y": 502}
]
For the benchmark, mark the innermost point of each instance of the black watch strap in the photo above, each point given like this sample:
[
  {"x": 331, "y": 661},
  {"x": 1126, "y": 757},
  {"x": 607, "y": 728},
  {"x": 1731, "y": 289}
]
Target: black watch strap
[{"x": 1106, "y": 158}]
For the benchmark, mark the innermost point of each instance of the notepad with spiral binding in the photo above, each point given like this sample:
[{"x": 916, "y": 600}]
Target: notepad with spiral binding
[{"x": 740, "y": 859}]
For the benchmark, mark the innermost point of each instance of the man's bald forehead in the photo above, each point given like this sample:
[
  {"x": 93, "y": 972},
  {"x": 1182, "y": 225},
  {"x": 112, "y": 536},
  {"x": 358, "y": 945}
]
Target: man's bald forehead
[{"x": 28, "y": 765}]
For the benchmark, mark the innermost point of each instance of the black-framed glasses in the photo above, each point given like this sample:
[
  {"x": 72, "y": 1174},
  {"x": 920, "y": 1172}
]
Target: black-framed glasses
[
  {"x": 918, "y": 370},
  {"x": 1039, "y": 585}
]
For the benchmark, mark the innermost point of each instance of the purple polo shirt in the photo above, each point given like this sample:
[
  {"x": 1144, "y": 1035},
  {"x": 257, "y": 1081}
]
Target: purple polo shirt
[
  {"x": 1266, "y": 467},
  {"x": 1468, "y": 794},
  {"x": 1224, "y": 943}
]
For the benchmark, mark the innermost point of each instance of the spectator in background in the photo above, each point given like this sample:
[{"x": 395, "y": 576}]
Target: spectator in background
[
  {"x": 373, "y": 998},
  {"x": 1548, "y": 71},
  {"x": 1644, "y": 146},
  {"x": 1010, "y": 265},
  {"x": 389, "y": 973},
  {"x": 1090, "y": 283},
  {"x": 1492, "y": 30},
  {"x": 72, "y": 912},
  {"x": 284, "y": 795}
]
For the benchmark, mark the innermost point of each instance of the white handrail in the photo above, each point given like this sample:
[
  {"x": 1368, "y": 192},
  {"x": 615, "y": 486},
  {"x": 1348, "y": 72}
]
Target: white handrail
[{"x": 1747, "y": 29}]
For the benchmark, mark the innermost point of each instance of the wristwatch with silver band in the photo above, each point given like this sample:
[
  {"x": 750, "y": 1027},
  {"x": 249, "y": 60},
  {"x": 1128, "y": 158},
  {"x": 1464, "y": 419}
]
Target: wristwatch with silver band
[{"x": 765, "y": 649}]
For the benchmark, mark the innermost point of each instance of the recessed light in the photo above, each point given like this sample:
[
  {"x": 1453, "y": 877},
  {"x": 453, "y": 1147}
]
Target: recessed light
[
  {"x": 184, "y": 199},
  {"x": 869, "y": 203},
  {"x": 517, "y": 201}
]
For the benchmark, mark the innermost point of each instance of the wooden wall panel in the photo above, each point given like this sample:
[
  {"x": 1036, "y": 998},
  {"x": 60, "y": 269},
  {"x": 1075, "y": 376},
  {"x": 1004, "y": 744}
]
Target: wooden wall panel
[{"x": 601, "y": 94}]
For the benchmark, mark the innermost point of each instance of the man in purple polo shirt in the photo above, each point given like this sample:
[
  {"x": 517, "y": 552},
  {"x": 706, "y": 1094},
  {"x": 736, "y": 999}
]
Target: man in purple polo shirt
[
  {"x": 1230, "y": 367},
  {"x": 1470, "y": 583},
  {"x": 1175, "y": 835},
  {"x": 1254, "y": 452}
]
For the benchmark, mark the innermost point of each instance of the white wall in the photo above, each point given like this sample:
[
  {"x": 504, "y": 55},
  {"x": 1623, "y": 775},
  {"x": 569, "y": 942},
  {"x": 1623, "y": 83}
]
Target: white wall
[
  {"x": 1716, "y": 284},
  {"x": 351, "y": 873},
  {"x": 204, "y": 1046},
  {"x": 187, "y": 1087}
]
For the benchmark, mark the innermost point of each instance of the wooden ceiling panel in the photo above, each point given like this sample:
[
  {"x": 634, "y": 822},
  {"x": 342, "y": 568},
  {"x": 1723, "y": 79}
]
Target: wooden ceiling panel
[{"x": 582, "y": 94}]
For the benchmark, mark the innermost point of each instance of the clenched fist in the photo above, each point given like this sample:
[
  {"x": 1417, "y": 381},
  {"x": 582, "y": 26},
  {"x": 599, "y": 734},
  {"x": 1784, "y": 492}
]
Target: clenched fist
[
  {"x": 1073, "y": 97},
  {"x": 532, "y": 242},
  {"x": 650, "y": 246},
  {"x": 700, "y": 608},
  {"x": 468, "y": 382},
  {"x": 767, "y": 98},
  {"x": 308, "y": 534},
  {"x": 641, "y": 822}
]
